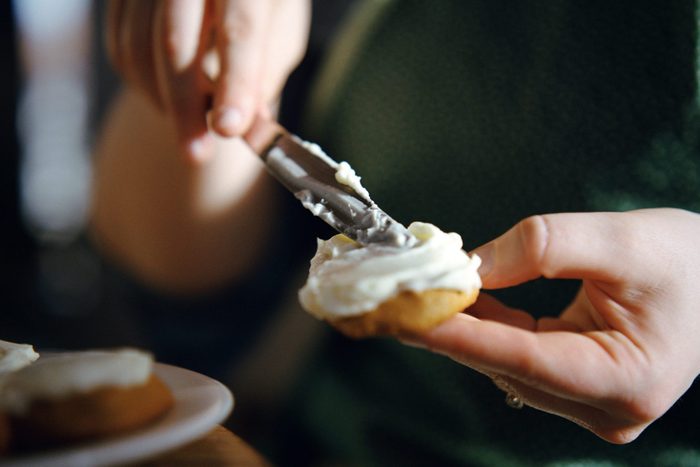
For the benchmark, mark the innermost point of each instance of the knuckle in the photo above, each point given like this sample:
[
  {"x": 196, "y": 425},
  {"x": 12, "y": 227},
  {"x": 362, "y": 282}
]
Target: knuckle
[
  {"x": 529, "y": 363},
  {"x": 535, "y": 237},
  {"x": 645, "y": 409},
  {"x": 630, "y": 416},
  {"x": 618, "y": 435},
  {"x": 629, "y": 233}
]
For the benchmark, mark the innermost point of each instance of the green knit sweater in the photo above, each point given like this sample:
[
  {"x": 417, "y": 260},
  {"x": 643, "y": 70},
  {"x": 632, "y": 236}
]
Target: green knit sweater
[{"x": 473, "y": 115}]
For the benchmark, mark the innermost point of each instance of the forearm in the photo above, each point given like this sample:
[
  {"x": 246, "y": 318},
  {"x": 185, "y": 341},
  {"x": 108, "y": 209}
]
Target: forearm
[{"x": 178, "y": 226}]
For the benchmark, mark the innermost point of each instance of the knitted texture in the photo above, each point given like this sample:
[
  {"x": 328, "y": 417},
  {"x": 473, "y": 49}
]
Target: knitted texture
[{"x": 473, "y": 115}]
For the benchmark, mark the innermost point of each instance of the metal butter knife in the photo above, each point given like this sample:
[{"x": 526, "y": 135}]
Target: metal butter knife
[{"x": 305, "y": 170}]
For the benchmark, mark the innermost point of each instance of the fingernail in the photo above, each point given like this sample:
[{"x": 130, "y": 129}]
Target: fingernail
[
  {"x": 230, "y": 119},
  {"x": 198, "y": 148},
  {"x": 486, "y": 254}
]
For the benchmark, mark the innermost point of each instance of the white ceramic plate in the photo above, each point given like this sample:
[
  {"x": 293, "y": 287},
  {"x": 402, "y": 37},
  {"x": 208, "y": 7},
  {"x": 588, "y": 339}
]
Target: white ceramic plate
[{"x": 200, "y": 404}]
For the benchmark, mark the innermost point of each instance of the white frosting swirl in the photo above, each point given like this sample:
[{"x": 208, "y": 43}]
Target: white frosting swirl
[
  {"x": 15, "y": 356},
  {"x": 347, "y": 279},
  {"x": 64, "y": 374}
]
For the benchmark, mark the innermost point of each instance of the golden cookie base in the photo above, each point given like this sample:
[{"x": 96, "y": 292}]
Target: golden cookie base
[
  {"x": 408, "y": 313},
  {"x": 95, "y": 414}
]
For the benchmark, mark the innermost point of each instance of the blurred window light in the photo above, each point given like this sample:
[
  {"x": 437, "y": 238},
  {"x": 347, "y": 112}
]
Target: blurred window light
[{"x": 55, "y": 41}]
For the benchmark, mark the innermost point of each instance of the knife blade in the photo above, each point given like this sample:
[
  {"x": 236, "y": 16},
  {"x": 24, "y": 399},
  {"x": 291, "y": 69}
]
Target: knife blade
[{"x": 330, "y": 190}]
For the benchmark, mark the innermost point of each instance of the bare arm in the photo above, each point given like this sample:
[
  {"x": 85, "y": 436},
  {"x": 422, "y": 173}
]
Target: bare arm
[
  {"x": 177, "y": 225},
  {"x": 179, "y": 201}
]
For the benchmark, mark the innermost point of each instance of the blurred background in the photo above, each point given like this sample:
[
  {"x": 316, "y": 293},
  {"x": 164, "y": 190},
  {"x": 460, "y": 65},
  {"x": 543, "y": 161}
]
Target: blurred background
[{"x": 53, "y": 84}]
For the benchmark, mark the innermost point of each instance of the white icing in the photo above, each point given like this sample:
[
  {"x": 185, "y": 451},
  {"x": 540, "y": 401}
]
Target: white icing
[
  {"x": 348, "y": 279},
  {"x": 349, "y": 211},
  {"x": 316, "y": 150},
  {"x": 15, "y": 356},
  {"x": 64, "y": 374},
  {"x": 345, "y": 175}
]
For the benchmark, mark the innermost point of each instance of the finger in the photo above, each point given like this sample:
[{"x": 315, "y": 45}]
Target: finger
[
  {"x": 489, "y": 308},
  {"x": 591, "y": 245},
  {"x": 574, "y": 378},
  {"x": 180, "y": 42},
  {"x": 113, "y": 21},
  {"x": 580, "y": 367},
  {"x": 136, "y": 47},
  {"x": 607, "y": 426},
  {"x": 181, "y": 37},
  {"x": 286, "y": 45},
  {"x": 584, "y": 315},
  {"x": 241, "y": 41}
]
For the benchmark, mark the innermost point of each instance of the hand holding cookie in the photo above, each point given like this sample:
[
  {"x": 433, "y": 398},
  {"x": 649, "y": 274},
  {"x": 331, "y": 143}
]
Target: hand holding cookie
[{"x": 623, "y": 351}]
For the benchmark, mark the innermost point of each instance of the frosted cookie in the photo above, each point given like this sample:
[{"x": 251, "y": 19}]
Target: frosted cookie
[
  {"x": 83, "y": 395},
  {"x": 12, "y": 358},
  {"x": 15, "y": 356},
  {"x": 384, "y": 290}
]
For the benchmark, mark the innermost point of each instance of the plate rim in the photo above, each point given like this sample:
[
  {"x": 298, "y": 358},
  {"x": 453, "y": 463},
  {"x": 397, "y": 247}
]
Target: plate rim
[{"x": 131, "y": 447}]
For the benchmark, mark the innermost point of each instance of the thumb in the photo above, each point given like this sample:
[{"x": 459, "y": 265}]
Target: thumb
[{"x": 564, "y": 246}]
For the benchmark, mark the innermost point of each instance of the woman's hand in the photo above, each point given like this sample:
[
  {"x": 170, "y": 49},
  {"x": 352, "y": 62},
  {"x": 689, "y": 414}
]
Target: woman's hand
[
  {"x": 191, "y": 56},
  {"x": 623, "y": 351}
]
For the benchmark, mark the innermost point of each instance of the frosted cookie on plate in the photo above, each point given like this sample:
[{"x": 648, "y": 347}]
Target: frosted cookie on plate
[
  {"x": 15, "y": 356},
  {"x": 386, "y": 290},
  {"x": 12, "y": 358},
  {"x": 79, "y": 396}
]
